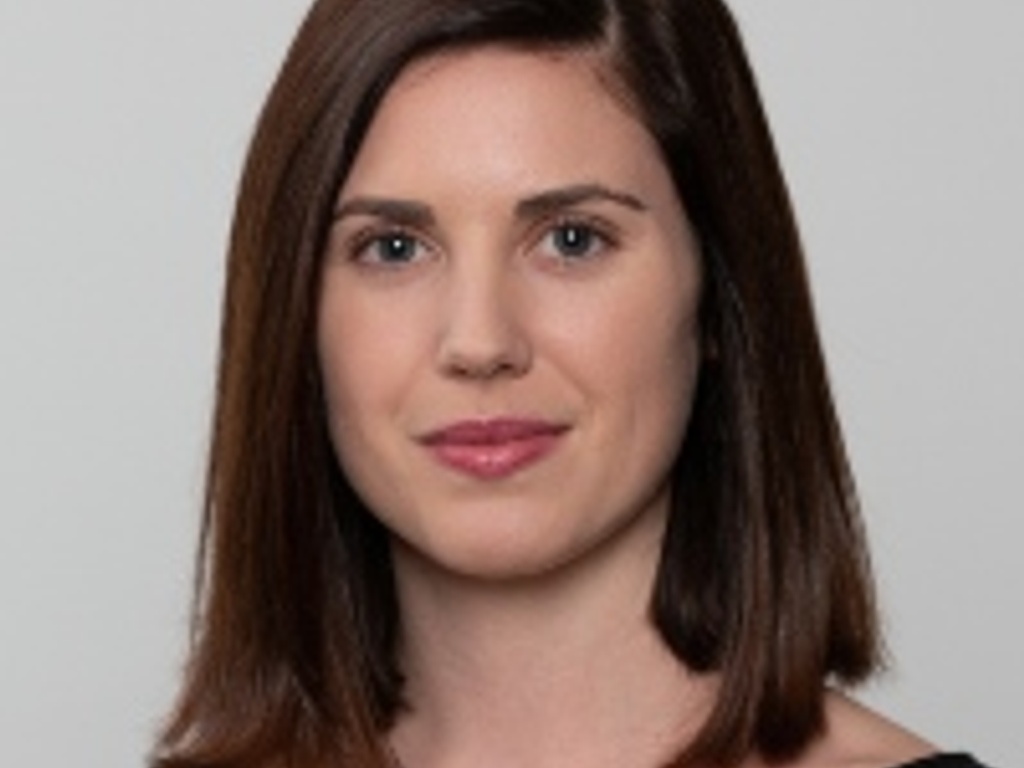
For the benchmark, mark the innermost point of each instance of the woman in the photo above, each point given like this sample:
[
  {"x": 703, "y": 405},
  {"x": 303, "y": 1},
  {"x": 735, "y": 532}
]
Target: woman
[{"x": 524, "y": 452}]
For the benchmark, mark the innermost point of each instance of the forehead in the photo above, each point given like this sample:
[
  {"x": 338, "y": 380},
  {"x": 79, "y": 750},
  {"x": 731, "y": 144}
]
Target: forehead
[
  {"x": 502, "y": 70},
  {"x": 506, "y": 112}
]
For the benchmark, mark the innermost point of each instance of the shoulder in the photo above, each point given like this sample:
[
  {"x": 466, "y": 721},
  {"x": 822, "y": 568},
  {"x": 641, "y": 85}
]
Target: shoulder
[{"x": 857, "y": 737}]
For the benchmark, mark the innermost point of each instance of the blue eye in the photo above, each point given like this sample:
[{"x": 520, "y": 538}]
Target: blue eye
[
  {"x": 397, "y": 248},
  {"x": 389, "y": 248},
  {"x": 575, "y": 241}
]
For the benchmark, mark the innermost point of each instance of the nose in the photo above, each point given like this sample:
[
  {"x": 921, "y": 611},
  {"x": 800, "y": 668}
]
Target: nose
[{"x": 483, "y": 337}]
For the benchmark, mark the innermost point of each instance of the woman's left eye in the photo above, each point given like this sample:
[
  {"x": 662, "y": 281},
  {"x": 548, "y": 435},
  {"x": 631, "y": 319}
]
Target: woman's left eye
[{"x": 575, "y": 241}]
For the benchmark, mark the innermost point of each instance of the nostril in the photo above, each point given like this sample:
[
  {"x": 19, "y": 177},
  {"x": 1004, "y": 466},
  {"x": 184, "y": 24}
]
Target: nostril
[
  {"x": 484, "y": 353},
  {"x": 482, "y": 337},
  {"x": 481, "y": 368}
]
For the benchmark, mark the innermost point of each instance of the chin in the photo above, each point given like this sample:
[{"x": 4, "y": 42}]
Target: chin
[{"x": 489, "y": 556}]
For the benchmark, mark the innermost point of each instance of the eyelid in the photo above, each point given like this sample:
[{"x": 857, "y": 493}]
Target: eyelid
[
  {"x": 364, "y": 235},
  {"x": 607, "y": 232},
  {"x": 356, "y": 244}
]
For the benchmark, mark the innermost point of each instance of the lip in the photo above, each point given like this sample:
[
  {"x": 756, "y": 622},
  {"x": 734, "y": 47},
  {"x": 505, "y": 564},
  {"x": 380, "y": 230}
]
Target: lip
[{"x": 491, "y": 449}]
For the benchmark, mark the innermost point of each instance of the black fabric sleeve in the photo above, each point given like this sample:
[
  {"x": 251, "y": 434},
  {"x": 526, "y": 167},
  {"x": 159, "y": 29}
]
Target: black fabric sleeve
[{"x": 946, "y": 760}]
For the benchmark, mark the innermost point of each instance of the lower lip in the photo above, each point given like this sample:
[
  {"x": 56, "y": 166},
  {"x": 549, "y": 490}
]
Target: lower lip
[{"x": 493, "y": 462}]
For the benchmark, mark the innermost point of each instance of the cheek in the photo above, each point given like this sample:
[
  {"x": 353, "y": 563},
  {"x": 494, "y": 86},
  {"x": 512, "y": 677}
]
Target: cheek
[
  {"x": 656, "y": 392},
  {"x": 367, "y": 351},
  {"x": 642, "y": 360},
  {"x": 359, "y": 381},
  {"x": 366, "y": 359},
  {"x": 342, "y": 355},
  {"x": 657, "y": 376},
  {"x": 644, "y": 339}
]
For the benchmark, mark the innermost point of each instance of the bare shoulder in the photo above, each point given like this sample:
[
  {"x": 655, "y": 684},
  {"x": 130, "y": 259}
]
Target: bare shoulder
[{"x": 857, "y": 737}]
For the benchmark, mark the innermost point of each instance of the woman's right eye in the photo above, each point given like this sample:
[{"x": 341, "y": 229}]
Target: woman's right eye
[{"x": 389, "y": 249}]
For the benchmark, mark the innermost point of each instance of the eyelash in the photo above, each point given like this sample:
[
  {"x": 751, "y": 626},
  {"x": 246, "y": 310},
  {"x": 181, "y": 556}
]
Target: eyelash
[
  {"x": 375, "y": 237},
  {"x": 604, "y": 237}
]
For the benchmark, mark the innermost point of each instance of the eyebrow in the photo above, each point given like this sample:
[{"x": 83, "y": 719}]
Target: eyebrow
[
  {"x": 552, "y": 201},
  {"x": 405, "y": 212},
  {"x": 415, "y": 214}
]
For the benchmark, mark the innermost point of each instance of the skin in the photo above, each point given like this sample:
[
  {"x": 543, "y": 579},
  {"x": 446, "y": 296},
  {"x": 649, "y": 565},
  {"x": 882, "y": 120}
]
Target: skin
[
  {"x": 462, "y": 283},
  {"x": 486, "y": 316}
]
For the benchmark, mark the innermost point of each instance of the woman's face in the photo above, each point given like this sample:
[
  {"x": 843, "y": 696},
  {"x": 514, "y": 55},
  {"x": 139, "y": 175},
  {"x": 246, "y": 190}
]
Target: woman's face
[{"x": 508, "y": 324}]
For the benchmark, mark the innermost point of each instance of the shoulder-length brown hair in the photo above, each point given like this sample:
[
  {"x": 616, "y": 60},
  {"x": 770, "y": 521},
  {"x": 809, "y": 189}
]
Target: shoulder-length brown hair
[{"x": 764, "y": 576}]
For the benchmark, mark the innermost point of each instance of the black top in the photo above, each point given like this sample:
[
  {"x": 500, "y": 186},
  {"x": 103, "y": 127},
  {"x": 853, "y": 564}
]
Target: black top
[{"x": 945, "y": 760}]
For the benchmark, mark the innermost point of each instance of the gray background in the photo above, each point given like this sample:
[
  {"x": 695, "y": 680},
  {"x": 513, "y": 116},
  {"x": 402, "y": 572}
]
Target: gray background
[{"x": 122, "y": 127}]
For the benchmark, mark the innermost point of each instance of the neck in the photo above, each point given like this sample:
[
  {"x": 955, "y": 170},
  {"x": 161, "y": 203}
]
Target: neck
[{"x": 560, "y": 669}]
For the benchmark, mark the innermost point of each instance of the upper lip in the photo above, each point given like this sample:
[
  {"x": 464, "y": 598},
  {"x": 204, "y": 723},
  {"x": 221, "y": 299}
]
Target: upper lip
[{"x": 493, "y": 431}]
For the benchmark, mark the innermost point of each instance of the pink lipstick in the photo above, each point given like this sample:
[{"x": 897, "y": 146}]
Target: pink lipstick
[{"x": 494, "y": 448}]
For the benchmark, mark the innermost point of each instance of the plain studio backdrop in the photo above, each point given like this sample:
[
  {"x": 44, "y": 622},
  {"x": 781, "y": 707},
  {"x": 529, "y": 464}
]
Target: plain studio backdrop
[{"x": 901, "y": 129}]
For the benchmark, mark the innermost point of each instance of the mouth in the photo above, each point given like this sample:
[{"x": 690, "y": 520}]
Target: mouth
[{"x": 493, "y": 449}]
